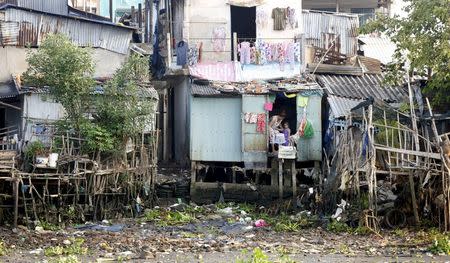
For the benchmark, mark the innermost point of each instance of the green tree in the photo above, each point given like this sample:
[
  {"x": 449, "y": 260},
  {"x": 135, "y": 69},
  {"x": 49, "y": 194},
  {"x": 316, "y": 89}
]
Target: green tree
[
  {"x": 125, "y": 108},
  {"x": 67, "y": 71},
  {"x": 422, "y": 39}
]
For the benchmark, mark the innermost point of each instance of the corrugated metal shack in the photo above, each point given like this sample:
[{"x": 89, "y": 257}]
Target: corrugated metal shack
[
  {"x": 49, "y": 6},
  {"x": 321, "y": 29},
  {"x": 21, "y": 26},
  {"x": 226, "y": 148}
]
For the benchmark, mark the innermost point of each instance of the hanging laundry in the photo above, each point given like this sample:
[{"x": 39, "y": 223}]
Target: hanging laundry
[
  {"x": 279, "y": 16},
  {"x": 245, "y": 52},
  {"x": 253, "y": 118},
  {"x": 268, "y": 106},
  {"x": 261, "y": 18},
  {"x": 247, "y": 117},
  {"x": 290, "y": 95},
  {"x": 272, "y": 98},
  {"x": 281, "y": 53},
  {"x": 219, "y": 38},
  {"x": 182, "y": 53},
  {"x": 302, "y": 101},
  {"x": 261, "y": 123},
  {"x": 297, "y": 51},
  {"x": 290, "y": 55},
  {"x": 292, "y": 18},
  {"x": 192, "y": 56}
]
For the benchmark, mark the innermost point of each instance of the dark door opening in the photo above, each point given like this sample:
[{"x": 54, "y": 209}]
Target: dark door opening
[
  {"x": 2, "y": 118},
  {"x": 243, "y": 23}
]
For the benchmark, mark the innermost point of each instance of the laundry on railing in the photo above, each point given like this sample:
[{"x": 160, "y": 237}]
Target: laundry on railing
[{"x": 261, "y": 52}]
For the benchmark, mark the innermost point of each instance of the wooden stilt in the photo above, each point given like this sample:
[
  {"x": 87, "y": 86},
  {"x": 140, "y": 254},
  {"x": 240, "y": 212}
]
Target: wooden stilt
[
  {"x": 280, "y": 179},
  {"x": 294, "y": 184}
]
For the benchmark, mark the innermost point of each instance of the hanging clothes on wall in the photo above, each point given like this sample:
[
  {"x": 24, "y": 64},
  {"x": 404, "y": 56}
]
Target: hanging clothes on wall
[
  {"x": 261, "y": 19},
  {"x": 292, "y": 18},
  {"x": 290, "y": 55},
  {"x": 261, "y": 123},
  {"x": 219, "y": 38},
  {"x": 245, "y": 52},
  {"x": 279, "y": 16},
  {"x": 192, "y": 56},
  {"x": 182, "y": 53}
]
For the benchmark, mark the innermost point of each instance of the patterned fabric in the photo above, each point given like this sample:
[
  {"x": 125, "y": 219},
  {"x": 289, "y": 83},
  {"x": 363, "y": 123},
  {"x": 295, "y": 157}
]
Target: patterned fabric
[
  {"x": 219, "y": 38},
  {"x": 279, "y": 16}
]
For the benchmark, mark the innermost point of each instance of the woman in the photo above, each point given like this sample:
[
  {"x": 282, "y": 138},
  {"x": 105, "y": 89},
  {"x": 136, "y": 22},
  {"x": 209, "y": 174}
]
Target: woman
[{"x": 275, "y": 127}]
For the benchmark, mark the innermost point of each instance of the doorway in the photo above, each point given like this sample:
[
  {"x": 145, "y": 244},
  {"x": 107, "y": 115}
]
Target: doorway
[
  {"x": 243, "y": 23},
  {"x": 2, "y": 118}
]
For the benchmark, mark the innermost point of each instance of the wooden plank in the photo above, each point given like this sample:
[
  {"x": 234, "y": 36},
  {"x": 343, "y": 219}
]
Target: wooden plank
[{"x": 436, "y": 156}]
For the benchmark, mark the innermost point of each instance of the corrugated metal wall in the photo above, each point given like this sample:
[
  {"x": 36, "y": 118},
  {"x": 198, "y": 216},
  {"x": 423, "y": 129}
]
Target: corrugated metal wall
[
  {"x": 311, "y": 149},
  {"x": 50, "y": 6},
  {"x": 24, "y": 28},
  {"x": 216, "y": 129},
  {"x": 317, "y": 24}
]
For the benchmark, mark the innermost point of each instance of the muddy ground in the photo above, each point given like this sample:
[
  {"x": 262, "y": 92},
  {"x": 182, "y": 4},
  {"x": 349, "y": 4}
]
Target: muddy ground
[{"x": 214, "y": 235}]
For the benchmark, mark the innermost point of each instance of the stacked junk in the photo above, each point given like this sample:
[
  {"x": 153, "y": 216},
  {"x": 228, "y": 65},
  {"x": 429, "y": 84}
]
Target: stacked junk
[{"x": 392, "y": 166}]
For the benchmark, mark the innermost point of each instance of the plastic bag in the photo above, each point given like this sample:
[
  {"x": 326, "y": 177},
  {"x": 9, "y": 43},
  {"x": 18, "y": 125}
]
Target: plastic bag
[{"x": 308, "y": 133}]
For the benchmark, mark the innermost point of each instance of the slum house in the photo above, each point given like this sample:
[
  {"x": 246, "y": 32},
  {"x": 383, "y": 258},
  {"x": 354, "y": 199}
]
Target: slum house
[
  {"x": 21, "y": 27},
  {"x": 28, "y": 114},
  {"x": 214, "y": 54}
]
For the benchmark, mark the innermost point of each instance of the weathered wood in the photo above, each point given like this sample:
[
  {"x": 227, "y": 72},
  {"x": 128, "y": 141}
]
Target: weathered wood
[
  {"x": 294, "y": 184},
  {"x": 16, "y": 200},
  {"x": 436, "y": 156},
  {"x": 413, "y": 198},
  {"x": 280, "y": 179}
]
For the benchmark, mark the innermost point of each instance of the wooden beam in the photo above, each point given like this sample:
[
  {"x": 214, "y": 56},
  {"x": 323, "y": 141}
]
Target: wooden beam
[
  {"x": 10, "y": 106},
  {"x": 436, "y": 156}
]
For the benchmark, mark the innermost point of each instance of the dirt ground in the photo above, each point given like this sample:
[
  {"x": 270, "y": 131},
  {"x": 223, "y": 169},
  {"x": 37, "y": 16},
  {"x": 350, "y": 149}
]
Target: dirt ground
[{"x": 210, "y": 237}]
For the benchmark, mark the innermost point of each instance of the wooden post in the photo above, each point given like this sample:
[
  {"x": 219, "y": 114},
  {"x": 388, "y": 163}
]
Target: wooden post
[
  {"x": 413, "y": 197},
  {"x": 133, "y": 14},
  {"x": 235, "y": 47},
  {"x": 294, "y": 184},
  {"x": 146, "y": 21},
  {"x": 193, "y": 174},
  {"x": 234, "y": 176},
  {"x": 280, "y": 179},
  {"x": 16, "y": 200}
]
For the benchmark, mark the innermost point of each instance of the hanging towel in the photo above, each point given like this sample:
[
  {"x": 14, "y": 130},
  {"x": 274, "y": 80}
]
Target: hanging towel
[
  {"x": 268, "y": 106},
  {"x": 302, "y": 101},
  {"x": 290, "y": 96}
]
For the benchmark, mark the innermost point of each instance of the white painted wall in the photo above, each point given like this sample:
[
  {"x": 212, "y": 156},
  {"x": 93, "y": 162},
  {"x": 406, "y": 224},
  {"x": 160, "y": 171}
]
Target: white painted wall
[
  {"x": 202, "y": 16},
  {"x": 13, "y": 62},
  {"x": 397, "y": 8}
]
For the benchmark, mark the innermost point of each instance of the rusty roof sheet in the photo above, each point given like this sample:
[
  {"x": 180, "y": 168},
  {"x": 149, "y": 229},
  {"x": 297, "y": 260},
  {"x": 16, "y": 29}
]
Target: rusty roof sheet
[
  {"x": 362, "y": 87},
  {"x": 318, "y": 24},
  {"x": 28, "y": 28}
]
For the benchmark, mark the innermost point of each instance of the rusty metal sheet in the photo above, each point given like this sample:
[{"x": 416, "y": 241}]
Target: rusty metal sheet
[
  {"x": 9, "y": 33},
  {"x": 34, "y": 27},
  {"x": 316, "y": 24}
]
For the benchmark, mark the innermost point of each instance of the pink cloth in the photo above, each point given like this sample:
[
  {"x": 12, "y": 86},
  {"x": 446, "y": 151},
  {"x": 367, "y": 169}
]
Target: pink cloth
[
  {"x": 268, "y": 106},
  {"x": 221, "y": 71}
]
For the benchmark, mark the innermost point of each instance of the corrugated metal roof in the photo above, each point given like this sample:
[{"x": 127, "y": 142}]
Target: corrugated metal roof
[
  {"x": 203, "y": 90},
  {"x": 363, "y": 87},
  {"x": 8, "y": 90},
  {"x": 341, "y": 106},
  {"x": 49, "y": 6},
  {"x": 22, "y": 28},
  {"x": 318, "y": 24},
  {"x": 379, "y": 48}
]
